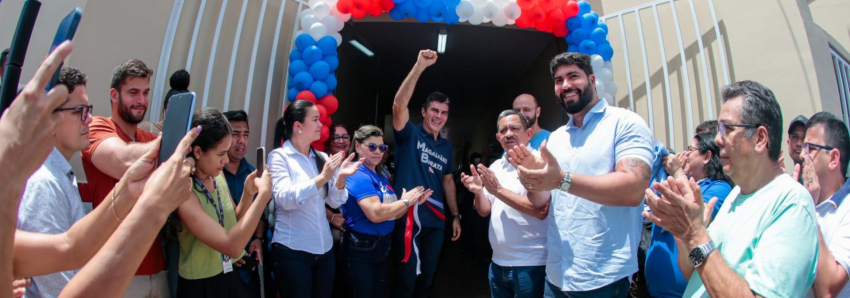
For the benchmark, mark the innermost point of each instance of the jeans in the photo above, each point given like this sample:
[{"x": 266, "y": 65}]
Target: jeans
[
  {"x": 366, "y": 260},
  {"x": 523, "y": 281},
  {"x": 303, "y": 275},
  {"x": 430, "y": 243},
  {"x": 617, "y": 289}
]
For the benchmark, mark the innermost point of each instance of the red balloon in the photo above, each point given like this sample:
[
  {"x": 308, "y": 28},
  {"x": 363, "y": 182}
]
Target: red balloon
[
  {"x": 360, "y": 8},
  {"x": 386, "y": 5},
  {"x": 376, "y": 9},
  {"x": 536, "y": 14},
  {"x": 326, "y": 121},
  {"x": 570, "y": 9},
  {"x": 323, "y": 112},
  {"x": 344, "y": 6},
  {"x": 523, "y": 21},
  {"x": 543, "y": 26},
  {"x": 546, "y": 5},
  {"x": 556, "y": 18},
  {"x": 526, "y": 4},
  {"x": 358, "y": 13},
  {"x": 330, "y": 102},
  {"x": 560, "y": 3},
  {"x": 560, "y": 31},
  {"x": 326, "y": 133},
  {"x": 306, "y": 95},
  {"x": 318, "y": 146}
]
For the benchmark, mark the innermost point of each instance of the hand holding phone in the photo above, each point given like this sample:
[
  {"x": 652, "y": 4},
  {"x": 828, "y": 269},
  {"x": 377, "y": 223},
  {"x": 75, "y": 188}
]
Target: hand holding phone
[
  {"x": 66, "y": 31},
  {"x": 178, "y": 121},
  {"x": 261, "y": 161}
]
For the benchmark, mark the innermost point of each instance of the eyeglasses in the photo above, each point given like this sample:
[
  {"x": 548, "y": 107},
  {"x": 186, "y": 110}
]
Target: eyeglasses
[
  {"x": 373, "y": 147},
  {"x": 341, "y": 138},
  {"x": 85, "y": 111},
  {"x": 723, "y": 127},
  {"x": 692, "y": 148},
  {"x": 807, "y": 147}
]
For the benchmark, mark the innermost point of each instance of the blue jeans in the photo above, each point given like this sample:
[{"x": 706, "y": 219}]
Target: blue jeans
[
  {"x": 617, "y": 289},
  {"x": 510, "y": 282},
  {"x": 303, "y": 275},
  {"x": 367, "y": 261},
  {"x": 430, "y": 243}
]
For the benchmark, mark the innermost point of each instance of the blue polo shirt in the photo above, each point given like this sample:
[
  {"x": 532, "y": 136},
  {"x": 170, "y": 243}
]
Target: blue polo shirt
[
  {"x": 538, "y": 139},
  {"x": 422, "y": 161},
  {"x": 663, "y": 277},
  {"x": 236, "y": 181},
  {"x": 364, "y": 184}
]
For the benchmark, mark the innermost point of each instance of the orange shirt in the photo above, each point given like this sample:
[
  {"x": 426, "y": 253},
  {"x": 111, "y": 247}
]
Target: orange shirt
[{"x": 100, "y": 184}]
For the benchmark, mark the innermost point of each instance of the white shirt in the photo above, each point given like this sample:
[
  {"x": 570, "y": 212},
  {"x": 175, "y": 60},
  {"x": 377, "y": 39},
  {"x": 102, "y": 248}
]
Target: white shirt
[
  {"x": 591, "y": 245},
  {"x": 300, "y": 222},
  {"x": 518, "y": 239},
  {"x": 834, "y": 223}
]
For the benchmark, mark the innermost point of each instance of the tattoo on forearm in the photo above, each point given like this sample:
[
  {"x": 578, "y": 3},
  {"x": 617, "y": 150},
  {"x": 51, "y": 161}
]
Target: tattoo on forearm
[{"x": 636, "y": 166}]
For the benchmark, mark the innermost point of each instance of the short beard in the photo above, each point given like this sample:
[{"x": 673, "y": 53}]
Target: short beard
[
  {"x": 584, "y": 99},
  {"x": 532, "y": 120},
  {"x": 125, "y": 113}
]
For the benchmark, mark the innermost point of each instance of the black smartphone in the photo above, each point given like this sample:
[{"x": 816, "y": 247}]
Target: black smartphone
[
  {"x": 66, "y": 31},
  {"x": 261, "y": 161},
  {"x": 178, "y": 121},
  {"x": 250, "y": 259}
]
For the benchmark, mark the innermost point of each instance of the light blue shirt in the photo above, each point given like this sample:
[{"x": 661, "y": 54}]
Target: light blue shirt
[
  {"x": 591, "y": 245},
  {"x": 51, "y": 204},
  {"x": 538, "y": 139}
]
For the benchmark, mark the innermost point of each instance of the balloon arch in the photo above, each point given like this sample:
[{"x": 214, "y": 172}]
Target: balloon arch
[{"x": 314, "y": 59}]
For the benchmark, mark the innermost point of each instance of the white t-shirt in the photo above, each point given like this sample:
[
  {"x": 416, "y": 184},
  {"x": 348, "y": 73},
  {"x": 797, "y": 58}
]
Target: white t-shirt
[
  {"x": 834, "y": 223},
  {"x": 518, "y": 239}
]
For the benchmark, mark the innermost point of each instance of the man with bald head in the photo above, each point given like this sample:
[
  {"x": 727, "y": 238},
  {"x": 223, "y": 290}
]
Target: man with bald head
[{"x": 526, "y": 104}]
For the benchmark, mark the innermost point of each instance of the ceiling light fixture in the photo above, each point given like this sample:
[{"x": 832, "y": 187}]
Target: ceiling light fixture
[
  {"x": 441, "y": 41},
  {"x": 361, "y": 47}
]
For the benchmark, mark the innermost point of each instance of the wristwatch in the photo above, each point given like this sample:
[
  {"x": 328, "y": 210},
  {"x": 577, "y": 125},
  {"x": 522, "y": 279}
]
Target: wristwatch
[
  {"x": 566, "y": 183},
  {"x": 457, "y": 216},
  {"x": 699, "y": 254}
]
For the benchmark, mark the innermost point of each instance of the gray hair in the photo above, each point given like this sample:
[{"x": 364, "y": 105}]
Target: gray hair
[
  {"x": 507, "y": 113},
  {"x": 759, "y": 107}
]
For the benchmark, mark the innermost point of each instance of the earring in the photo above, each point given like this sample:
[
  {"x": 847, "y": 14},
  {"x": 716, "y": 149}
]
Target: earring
[
  {"x": 197, "y": 157},
  {"x": 299, "y": 131}
]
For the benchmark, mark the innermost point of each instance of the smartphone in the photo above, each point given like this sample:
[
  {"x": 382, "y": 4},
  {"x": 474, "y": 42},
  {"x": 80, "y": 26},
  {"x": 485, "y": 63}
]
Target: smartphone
[
  {"x": 178, "y": 121},
  {"x": 250, "y": 259},
  {"x": 261, "y": 161},
  {"x": 66, "y": 31}
]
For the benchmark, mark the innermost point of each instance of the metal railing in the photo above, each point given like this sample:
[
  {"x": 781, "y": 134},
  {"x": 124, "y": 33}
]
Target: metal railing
[{"x": 842, "y": 76}]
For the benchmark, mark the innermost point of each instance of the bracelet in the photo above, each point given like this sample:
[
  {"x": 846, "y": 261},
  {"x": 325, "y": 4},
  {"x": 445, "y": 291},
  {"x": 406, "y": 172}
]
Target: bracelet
[
  {"x": 333, "y": 216},
  {"x": 113, "y": 207},
  {"x": 406, "y": 202}
]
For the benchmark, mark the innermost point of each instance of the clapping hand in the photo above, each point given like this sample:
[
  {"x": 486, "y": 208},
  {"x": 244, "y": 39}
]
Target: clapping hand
[
  {"x": 537, "y": 173},
  {"x": 349, "y": 166},
  {"x": 472, "y": 182},
  {"x": 488, "y": 177}
]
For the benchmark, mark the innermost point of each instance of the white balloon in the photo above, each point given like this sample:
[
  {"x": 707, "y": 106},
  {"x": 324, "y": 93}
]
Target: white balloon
[
  {"x": 321, "y": 10},
  {"x": 462, "y": 20},
  {"x": 609, "y": 66},
  {"x": 318, "y": 30},
  {"x": 331, "y": 23},
  {"x": 600, "y": 87},
  {"x": 306, "y": 12},
  {"x": 485, "y": 20},
  {"x": 313, "y": 2},
  {"x": 343, "y": 17},
  {"x": 478, "y": 3},
  {"x": 500, "y": 3},
  {"x": 609, "y": 99},
  {"x": 307, "y": 21},
  {"x": 489, "y": 10},
  {"x": 511, "y": 22},
  {"x": 477, "y": 18},
  {"x": 331, "y": 3},
  {"x": 465, "y": 9},
  {"x": 605, "y": 75},
  {"x": 597, "y": 71},
  {"x": 512, "y": 11},
  {"x": 500, "y": 20},
  {"x": 338, "y": 38},
  {"x": 597, "y": 62},
  {"x": 611, "y": 88}
]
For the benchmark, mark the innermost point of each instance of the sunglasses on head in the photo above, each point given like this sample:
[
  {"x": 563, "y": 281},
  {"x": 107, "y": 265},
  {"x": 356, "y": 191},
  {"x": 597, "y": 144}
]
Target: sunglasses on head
[{"x": 373, "y": 147}]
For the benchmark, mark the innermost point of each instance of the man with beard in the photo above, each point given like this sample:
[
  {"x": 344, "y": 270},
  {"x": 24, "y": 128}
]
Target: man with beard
[
  {"x": 115, "y": 143},
  {"x": 424, "y": 159},
  {"x": 528, "y": 106},
  {"x": 595, "y": 174}
]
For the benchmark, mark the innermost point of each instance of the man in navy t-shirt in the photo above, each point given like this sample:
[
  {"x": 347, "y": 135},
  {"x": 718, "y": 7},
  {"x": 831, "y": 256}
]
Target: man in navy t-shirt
[{"x": 423, "y": 158}]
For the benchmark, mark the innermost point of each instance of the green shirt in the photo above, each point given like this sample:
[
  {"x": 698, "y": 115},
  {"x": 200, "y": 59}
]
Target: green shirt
[
  {"x": 769, "y": 238},
  {"x": 197, "y": 260}
]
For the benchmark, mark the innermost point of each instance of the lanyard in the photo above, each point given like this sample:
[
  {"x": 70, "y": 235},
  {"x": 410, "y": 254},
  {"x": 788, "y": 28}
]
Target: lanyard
[{"x": 219, "y": 212}]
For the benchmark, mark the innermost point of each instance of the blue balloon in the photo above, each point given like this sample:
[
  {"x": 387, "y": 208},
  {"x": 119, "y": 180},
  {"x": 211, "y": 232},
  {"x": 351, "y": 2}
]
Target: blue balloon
[
  {"x": 589, "y": 20},
  {"x": 605, "y": 50},
  {"x": 330, "y": 81},
  {"x": 423, "y": 15},
  {"x": 291, "y": 94},
  {"x": 297, "y": 66},
  {"x": 437, "y": 11},
  {"x": 573, "y": 23},
  {"x": 399, "y": 1},
  {"x": 295, "y": 55},
  {"x": 568, "y": 39},
  {"x": 452, "y": 4},
  {"x": 451, "y": 17},
  {"x": 579, "y": 35},
  {"x": 303, "y": 41},
  {"x": 311, "y": 55},
  {"x": 603, "y": 26},
  {"x": 332, "y": 61},
  {"x": 408, "y": 9},
  {"x": 396, "y": 13},
  {"x": 302, "y": 80},
  {"x": 319, "y": 88},
  {"x": 587, "y": 47},
  {"x": 320, "y": 70},
  {"x": 328, "y": 45},
  {"x": 573, "y": 48},
  {"x": 422, "y": 3},
  {"x": 583, "y": 7},
  {"x": 598, "y": 35}
]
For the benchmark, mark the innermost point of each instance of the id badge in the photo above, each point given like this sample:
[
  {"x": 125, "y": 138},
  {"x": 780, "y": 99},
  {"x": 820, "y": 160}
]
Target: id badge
[{"x": 227, "y": 265}]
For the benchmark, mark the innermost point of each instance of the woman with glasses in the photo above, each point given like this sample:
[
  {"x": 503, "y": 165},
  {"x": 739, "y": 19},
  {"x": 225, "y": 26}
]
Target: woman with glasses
[
  {"x": 340, "y": 140},
  {"x": 700, "y": 162},
  {"x": 304, "y": 180},
  {"x": 370, "y": 213}
]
